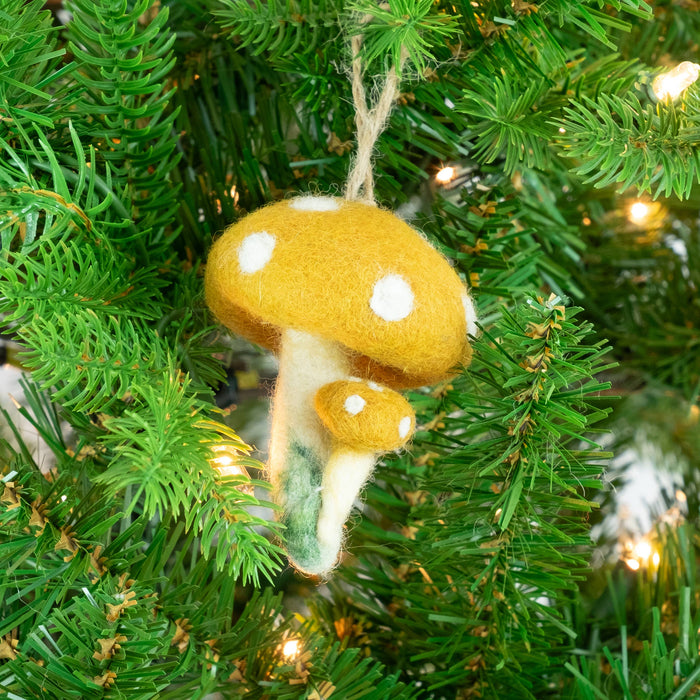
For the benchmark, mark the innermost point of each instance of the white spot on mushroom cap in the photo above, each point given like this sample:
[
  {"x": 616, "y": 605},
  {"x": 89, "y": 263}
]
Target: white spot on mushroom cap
[
  {"x": 311, "y": 203},
  {"x": 392, "y": 298},
  {"x": 469, "y": 314},
  {"x": 255, "y": 251},
  {"x": 354, "y": 404},
  {"x": 404, "y": 426}
]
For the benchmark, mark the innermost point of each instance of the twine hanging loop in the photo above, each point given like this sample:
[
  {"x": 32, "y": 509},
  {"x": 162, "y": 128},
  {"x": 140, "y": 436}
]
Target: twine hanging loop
[{"x": 370, "y": 122}]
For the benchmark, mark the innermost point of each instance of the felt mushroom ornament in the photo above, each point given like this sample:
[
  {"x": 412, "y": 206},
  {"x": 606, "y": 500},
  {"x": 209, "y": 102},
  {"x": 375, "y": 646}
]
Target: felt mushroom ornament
[{"x": 356, "y": 304}]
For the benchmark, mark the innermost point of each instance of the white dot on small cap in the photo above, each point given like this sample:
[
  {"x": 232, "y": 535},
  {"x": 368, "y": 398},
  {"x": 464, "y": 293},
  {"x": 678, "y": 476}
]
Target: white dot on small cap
[
  {"x": 354, "y": 404},
  {"x": 314, "y": 204},
  {"x": 392, "y": 298},
  {"x": 469, "y": 314},
  {"x": 404, "y": 426},
  {"x": 375, "y": 386},
  {"x": 255, "y": 251}
]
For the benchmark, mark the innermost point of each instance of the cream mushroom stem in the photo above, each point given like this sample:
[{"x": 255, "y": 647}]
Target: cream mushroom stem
[
  {"x": 316, "y": 479},
  {"x": 343, "y": 477}
]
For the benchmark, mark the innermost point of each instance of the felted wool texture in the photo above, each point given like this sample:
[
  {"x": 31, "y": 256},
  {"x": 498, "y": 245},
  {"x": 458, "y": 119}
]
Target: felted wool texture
[
  {"x": 329, "y": 264},
  {"x": 301, "y": 482},
  {"x": 300, "y": 446},
  {"x": 363, "y": 417},
  {"x": 343, "y": 478},
  {"x": 306, "y": 364}
]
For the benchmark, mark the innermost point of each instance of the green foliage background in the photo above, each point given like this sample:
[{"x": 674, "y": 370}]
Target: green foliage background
[{"x": 133, "y": 135}]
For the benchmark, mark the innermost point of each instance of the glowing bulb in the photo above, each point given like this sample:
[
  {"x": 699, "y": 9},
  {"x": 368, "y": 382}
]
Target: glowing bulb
[
  {"x": 226, "y": 464},
  {"x": 446, "y": 175},
  {"x": 632, "y": 563},
  {"x": 291, "y": 649},
  {"x": 680, "y": 496},
  {"x": 64, "y": 498},
  {"x": 562, "y": 130},
  {"x": 639, "y": 211},
  {"x": 655, "y": 558},
  {"x": 642, "y": 550},
  {"x": 230, "y": 469},
  {"x": 672, "y": 84}
]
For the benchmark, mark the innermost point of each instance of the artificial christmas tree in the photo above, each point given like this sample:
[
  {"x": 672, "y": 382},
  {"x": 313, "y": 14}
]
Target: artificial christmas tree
[{"x": 536, "y": 146}]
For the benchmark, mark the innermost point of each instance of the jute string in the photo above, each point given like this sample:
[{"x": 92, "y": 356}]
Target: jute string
[{"x": 370, "y": 123}]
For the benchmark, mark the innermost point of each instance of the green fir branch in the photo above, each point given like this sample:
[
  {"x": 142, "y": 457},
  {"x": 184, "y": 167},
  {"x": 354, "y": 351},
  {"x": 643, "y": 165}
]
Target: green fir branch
[
  {"x": 83, "y": 327},
  {"x": 621, "y": 141},
  {"x": 591, "y": 16},
  {"x": 279, "y": 27},
  {"x": 123, "y": 55},
  {"x": 510, "y": 118},
  {"x": 400, "y": 30},
  {"x": 506, "y": 485},
  {"x": 33, "y": 89}
]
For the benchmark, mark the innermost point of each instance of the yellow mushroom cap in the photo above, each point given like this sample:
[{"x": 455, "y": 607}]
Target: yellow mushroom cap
[
  {"x": 346, "y": 272},
  {"x": 365, "y": 416}
]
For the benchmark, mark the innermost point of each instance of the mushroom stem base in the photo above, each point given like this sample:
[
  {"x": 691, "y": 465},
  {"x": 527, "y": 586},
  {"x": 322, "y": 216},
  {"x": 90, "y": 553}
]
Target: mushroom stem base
[
  {"x": 344, "y": 475},
  {"x": 301, "y": 446},
  {"x": 319, "y": 499}
]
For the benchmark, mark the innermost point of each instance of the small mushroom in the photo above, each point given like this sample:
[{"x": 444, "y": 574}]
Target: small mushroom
[
  {"x": 337, "y": 289},
  {"x": 365, "y": 420},
  {"x": 365, "y": 415}
]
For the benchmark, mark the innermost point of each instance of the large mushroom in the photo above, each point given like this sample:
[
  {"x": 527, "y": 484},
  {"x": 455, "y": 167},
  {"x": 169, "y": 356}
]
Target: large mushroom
[{"x": 356, "y": 304}]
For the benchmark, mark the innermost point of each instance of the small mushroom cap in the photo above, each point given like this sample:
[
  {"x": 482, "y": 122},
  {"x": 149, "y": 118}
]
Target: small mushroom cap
[
  {"x": 345, "y": 272},
  {"x": 365, "y": 416}
]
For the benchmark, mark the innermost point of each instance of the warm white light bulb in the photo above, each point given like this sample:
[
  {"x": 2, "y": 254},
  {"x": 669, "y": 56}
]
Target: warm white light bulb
[
  {"x": 447, "y": 174},
  {"x": 226, "y": 463},
  {"x": 290, "y": 648},
  {"x": 230, "y": 469},
  {"x": 639, "y": 211},
  {"x": 670, "y": 85},
  {"x": 642, "y": 550},
  {"x": 656, "y": 558},
  {"x": 632, "y": 563}
]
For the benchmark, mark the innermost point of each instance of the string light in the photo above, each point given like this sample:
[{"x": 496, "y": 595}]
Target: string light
[
  {"x": 290, "y": 649},
  {"x": 226, "y": 463},
  {"x": 642, "y": 550},
  {"x": 639, "y": 212},
  {"x": 638, "y": 554},
  {"x": 670, "y": 85},
  {"x": 445, "y": 175}
]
